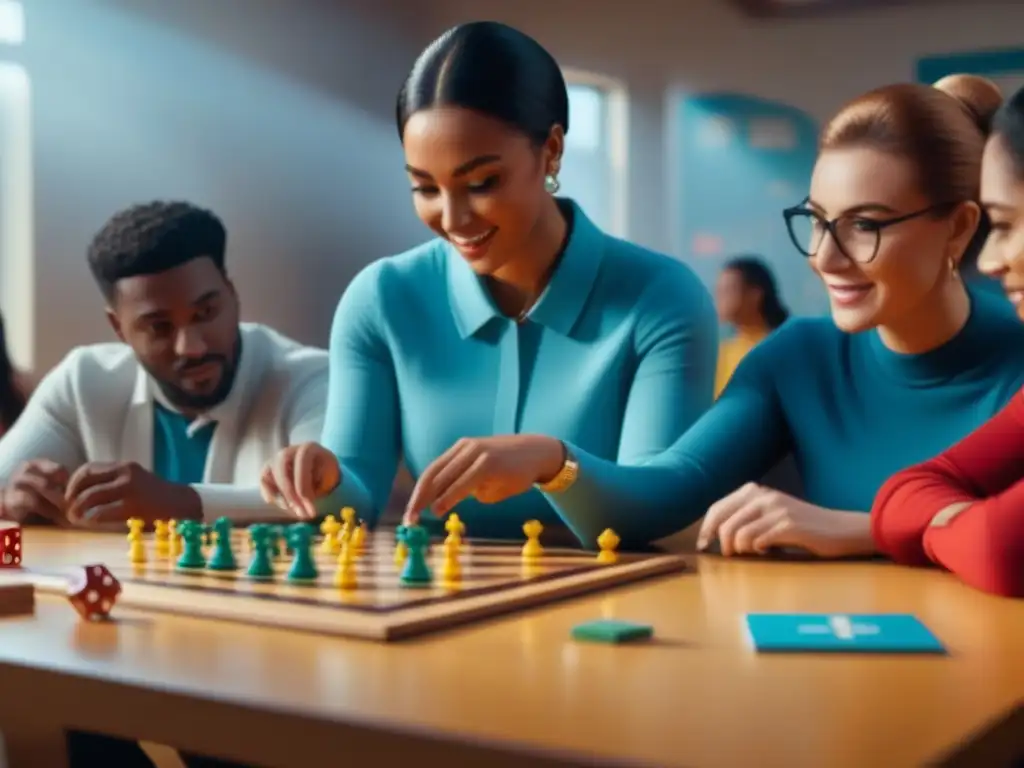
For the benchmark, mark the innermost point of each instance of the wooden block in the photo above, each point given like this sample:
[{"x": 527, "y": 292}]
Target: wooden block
[{"x": 17, "y": 599}]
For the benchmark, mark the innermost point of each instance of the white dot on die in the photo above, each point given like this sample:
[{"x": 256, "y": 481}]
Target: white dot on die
[
  {"x": 7, "y": 558},
  {"x": 7, "y": 540},
  {"x": 97, "y": 570},
  {"x": 92, "y": 596},
  {"x": 17, "y": 546},
  {"x": 106, "y": 606},
  {"x": 108, "y": 581},
  {"x": 17, "y": 560}
]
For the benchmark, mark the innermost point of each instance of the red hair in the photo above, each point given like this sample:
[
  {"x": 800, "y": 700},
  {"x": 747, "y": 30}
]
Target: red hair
[{"x": 941, "y": 129}]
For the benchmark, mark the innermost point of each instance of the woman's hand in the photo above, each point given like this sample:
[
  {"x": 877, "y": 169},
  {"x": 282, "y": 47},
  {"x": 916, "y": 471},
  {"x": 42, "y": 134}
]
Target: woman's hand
[
  {"x": 490, "y": 469},
  {"x": 754, "y": 519},
  {"x": 298, "y": 476}
]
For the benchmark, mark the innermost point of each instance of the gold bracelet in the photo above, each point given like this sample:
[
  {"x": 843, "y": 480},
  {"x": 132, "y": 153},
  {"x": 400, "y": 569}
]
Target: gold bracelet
[{"x": 566, "y": 476}]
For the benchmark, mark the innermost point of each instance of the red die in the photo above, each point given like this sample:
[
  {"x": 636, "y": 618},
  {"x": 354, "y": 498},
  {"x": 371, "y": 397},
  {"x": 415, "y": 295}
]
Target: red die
[
  {"x": 94, "y": 591},
  {"x": 10, "y": 545}
]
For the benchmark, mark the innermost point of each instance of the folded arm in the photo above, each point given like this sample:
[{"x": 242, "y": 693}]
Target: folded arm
[{"x": 984, "y": 464}]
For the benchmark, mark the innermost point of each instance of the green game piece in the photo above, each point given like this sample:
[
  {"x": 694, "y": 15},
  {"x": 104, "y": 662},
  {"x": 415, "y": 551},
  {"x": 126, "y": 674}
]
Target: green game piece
[
  {"x": 415, "y": 572},
  {"x": 223, "y": 557},
  {"x": 261, "y": 566},
  {"x": 192, "y": 552},
  {"x": 300, "y": 538},
  {"x": 610, "y": 631}
]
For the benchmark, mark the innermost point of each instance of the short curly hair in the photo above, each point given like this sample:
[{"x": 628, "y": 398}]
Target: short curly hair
[{"x": 154, "y": 237}]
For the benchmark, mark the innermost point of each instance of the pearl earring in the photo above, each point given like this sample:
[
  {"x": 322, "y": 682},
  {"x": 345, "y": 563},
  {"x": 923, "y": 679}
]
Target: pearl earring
[{"x": 551, "y": 184}]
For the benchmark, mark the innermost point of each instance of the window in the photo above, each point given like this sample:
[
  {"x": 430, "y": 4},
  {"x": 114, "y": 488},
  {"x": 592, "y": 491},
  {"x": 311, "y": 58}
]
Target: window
[
  {"x": 593, "y": 169},
  {"x": 12, "y": 23},
  {"x": 16, "y": 247}
]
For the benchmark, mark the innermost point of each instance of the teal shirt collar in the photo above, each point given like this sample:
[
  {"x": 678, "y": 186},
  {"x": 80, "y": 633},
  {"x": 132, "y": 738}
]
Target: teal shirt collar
[{"x": 562, "y": 302}]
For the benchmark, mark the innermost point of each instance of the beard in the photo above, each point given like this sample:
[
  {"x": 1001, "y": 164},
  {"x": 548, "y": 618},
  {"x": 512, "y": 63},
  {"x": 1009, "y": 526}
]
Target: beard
[{"x": 188, "y": 401}]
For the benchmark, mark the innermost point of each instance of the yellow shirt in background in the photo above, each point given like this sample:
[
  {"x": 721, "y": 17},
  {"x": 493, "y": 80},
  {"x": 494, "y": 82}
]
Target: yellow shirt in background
[{"x": 730, "y": 353}]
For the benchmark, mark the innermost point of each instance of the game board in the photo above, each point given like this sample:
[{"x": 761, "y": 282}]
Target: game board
[{"x": 495, "y": 579}]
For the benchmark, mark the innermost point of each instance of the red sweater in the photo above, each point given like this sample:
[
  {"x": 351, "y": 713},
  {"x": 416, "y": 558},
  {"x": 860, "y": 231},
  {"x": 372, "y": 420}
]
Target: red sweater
[{"x": 983, "y": 544}]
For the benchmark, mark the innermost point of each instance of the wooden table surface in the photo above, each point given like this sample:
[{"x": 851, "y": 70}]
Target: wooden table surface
[{"x": 517, "y": 687}]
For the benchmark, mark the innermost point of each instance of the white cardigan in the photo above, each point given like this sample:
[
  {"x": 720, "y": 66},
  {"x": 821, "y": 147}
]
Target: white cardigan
[{"x": 97, "y": 405}]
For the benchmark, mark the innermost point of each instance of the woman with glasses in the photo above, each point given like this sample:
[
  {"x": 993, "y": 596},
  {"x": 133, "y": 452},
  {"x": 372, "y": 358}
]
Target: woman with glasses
[
  {"x": 963, "y": 510},
  {"x": 909, "y": 363}
]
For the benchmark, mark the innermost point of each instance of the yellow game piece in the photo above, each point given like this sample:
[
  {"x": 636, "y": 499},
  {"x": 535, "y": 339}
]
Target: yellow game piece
[
  {"x": 174, "y": 539},
  {"x": 345, "y": 576},
  {"x": 163, "y": 543},
  {"x": 137, "y": 551},
  {"x": 330, "y": 528},
  {"x": 455, "y": 528},
  {"x": 607, "y": 541},
  {"x": 348, "y": 517},
  {"x": 401, "y": 552},
  {"x": 532, "y": 547},
  {"x": 451, "y": 568},
  {"x": 358, "y": 539}
]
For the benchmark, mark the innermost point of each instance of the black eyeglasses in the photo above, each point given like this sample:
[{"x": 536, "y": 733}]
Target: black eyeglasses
[{"x": 857, "y": 237}]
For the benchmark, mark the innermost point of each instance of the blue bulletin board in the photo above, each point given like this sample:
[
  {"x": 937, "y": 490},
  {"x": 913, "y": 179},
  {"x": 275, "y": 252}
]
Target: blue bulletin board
[{"x": 740, "y": 161}]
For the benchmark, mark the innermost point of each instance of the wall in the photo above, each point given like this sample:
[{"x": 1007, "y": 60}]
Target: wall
[
  {"x": 660, "y": 46},
  {"x": 278, "y": 115}
]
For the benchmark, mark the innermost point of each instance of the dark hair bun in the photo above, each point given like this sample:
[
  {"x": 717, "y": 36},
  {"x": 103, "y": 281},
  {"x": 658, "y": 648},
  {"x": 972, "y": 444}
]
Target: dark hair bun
[
  {"x": 493, "y": 69},
  {"x": 978, "y": 95}
]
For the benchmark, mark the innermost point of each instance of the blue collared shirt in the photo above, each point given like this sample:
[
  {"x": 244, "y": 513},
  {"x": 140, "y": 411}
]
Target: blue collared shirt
[
  {"x": 180, "y": 446},
  {"x": 617, "y": 358}
]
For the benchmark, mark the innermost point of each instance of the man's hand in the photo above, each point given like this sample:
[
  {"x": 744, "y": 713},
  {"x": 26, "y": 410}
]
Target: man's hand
[
  {"x": 36, "y": 489},
  {"x": 102, "y": 492}
]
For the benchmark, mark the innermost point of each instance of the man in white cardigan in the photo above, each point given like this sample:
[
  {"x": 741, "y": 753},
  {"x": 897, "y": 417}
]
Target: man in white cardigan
[{"x": 177, "y": 420}]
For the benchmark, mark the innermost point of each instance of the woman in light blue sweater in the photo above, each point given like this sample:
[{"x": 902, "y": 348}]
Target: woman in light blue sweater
[{"x": 521, "y": 324}]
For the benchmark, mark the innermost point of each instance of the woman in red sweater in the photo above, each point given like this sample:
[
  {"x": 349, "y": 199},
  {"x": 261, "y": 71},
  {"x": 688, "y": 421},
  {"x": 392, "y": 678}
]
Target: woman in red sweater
[{"x": 964, "y": 510}]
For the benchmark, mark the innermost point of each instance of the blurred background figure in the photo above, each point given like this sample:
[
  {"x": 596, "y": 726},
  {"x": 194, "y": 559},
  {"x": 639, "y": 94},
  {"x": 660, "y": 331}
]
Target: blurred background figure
[
  {"x": 747, "y": 299},
  {"x": 12, "y": 388}
]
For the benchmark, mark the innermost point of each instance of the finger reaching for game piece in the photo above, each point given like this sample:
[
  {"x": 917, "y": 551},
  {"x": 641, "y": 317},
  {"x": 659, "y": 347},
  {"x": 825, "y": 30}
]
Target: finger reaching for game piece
[
  {"x": 298, "y": 476},
  {"x": 489, "y": 469}
]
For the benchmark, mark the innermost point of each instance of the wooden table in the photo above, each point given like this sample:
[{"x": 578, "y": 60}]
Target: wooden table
[{"x": 517, "y": 691}]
